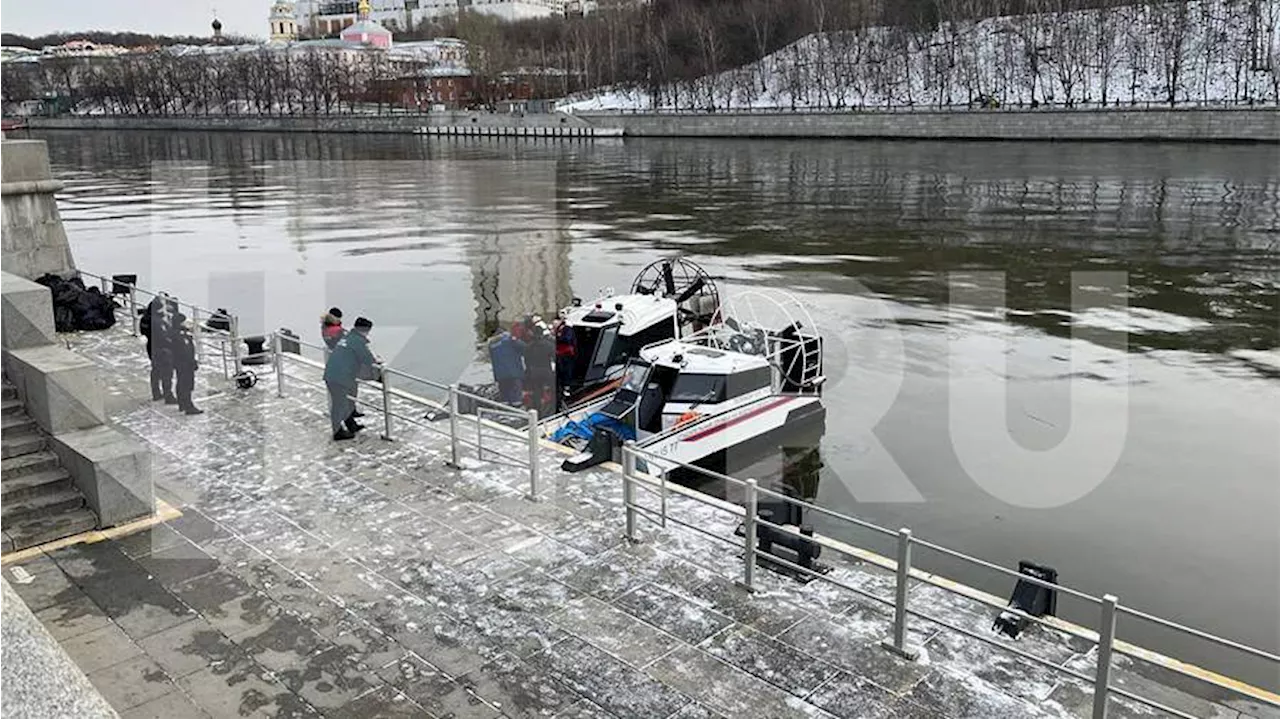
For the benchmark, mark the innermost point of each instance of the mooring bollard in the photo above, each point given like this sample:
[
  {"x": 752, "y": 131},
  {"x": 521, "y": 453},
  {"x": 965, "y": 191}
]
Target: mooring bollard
[
  {"x": 279, "y": 363},
  {"x": 385, "y": 376},
  {"x": 453, "y": 427},
  {"x": 628, "y": 489},
  {"x": 1106, "y": 642},
  {"x": 533, "y": 455},
  {"x": 898, "y": 642}
]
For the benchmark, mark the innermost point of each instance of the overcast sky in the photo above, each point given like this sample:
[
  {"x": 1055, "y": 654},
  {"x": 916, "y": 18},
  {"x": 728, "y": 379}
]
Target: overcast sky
[{"x": 175, "y": 17}]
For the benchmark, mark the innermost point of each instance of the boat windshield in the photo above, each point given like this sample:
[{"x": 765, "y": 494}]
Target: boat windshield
[
  {"x": 695, "y": 388},
  {"x": 634, "y": 377}
]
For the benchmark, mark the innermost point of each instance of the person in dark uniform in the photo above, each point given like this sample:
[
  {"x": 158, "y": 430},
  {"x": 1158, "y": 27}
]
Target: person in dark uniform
[
  {"x": 155, "y": 326},
  {"x": 350, "y": 360},
  {"x": 332, "y": 332},
  {"x": 566, "y": 355},
  {"x": 539, "y": 368},
  {"x": 506, "y": 354},
  {"x": 185, "y": 365}
]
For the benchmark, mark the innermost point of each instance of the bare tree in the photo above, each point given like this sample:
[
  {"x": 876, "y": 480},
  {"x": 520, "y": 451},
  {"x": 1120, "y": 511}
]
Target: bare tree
[{"x": 1171, "y": 23}]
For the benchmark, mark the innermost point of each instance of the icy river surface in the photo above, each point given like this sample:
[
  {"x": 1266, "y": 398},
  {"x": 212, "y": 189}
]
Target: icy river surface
[{"x": 1062, "y": 353}]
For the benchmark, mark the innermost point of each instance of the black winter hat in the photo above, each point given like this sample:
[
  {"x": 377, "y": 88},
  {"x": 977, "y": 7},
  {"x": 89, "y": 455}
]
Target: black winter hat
[
  {"x": 363, "y": 324},
  {"x": 335, "y": 312}
]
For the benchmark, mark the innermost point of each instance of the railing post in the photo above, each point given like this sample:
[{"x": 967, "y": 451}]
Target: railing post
[
  {"x": 628, "y": 488},
  {"x": 751, "y": 505},
  {"x": 453, "y": 427},
  {"x": 235, "y": 342},
  {"x": 898, "y": 642},
  {"x": 385, "y": 377},
  {"x": 479, "y": 433},
  {"x": 197, "y": 333},
  {"x": 533, "y": 455},
  {"x": 1106, "y": 641},
  {"x": 278, "y": 363},
  {"x": 222, "y": 344},
  {"x": 133, "y": 309}
]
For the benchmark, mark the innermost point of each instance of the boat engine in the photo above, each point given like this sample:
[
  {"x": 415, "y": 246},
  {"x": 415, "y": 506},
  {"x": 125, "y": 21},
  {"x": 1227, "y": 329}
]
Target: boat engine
[{"x": 1029, "y": 598}]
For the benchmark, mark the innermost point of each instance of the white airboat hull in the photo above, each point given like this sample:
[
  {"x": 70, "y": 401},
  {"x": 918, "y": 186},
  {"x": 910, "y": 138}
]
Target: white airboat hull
[{"x": 740, "y": 427}]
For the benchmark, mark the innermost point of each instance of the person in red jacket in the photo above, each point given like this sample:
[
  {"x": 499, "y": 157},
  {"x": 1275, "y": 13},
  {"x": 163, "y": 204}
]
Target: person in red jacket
[
  {"x": 332, "y": 332},
  {"x": 331, "y": 329},
  {"x": 566, "y": 355}
]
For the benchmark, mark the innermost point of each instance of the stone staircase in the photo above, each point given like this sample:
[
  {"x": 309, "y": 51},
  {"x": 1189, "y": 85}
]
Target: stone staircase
[{"x": 38, "y": 501}]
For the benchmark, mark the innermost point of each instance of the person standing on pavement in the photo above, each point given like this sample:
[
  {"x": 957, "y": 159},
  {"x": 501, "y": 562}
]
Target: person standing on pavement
[
  {"x": 332, "y": 332},
  {"x": 539, "y": 368},
  {"x": 155, "y": 326},
  {"x": 566, "y": 355},
  {"x": 185, "y": 366},
  {"x": 350, "y": 360},
  {"x": 506, "y": 353}
]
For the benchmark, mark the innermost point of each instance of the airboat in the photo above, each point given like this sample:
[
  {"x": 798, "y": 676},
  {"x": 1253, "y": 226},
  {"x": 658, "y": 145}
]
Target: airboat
[
  {"x": 754, "y": 371},
  {"x": 668, "y": 299}
]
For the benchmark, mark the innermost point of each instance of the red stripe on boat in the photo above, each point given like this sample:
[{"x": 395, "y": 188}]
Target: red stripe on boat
[{"x": 759, "y": 410}]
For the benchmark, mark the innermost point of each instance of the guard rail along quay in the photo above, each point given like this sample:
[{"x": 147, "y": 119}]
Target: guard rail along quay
[{"x": 500, "y": 434}]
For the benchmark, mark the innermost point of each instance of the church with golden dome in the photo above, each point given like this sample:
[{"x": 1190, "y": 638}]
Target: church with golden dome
[{"x": 366, "y": 30}]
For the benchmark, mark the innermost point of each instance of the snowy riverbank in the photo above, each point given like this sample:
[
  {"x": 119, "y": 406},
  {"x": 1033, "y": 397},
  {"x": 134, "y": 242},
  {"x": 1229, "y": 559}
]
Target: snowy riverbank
[{"x": 1203, "y": 51}]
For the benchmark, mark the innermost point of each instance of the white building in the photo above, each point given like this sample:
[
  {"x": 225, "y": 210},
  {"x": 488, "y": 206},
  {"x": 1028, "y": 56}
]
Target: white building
[
  {"x": 515, "y": 9},
  {"x": 320, "y": 18},
  {"x": 283, "y": 22}
]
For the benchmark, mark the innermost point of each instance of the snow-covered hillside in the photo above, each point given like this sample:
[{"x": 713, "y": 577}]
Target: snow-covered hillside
[{"x": 1199, "y": 51}]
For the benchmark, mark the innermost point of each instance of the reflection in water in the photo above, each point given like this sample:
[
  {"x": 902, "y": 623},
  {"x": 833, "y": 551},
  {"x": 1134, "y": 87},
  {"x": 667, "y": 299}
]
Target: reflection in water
[{"x": 449, "y": 237}]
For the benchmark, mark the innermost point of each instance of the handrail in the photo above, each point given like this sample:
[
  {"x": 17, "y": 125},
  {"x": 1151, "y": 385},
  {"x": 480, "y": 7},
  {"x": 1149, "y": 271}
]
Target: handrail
[
  {"x": 530, "y": 435},
  {"x": 1104, "y": 637}
]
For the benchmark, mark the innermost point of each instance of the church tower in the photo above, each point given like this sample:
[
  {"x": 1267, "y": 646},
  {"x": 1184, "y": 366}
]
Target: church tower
[{"x": 284, "y": 26}]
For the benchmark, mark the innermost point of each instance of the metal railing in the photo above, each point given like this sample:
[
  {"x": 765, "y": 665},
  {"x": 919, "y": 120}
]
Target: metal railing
[
  {"x": 225, "y": 342},
  {"x": 228, "y": 347},
  {"x": 1107, "y": 606},
  {"x": 1260, "y": 105},
  {"x": 394, "y": 400},
  {"x": 395, "y": 405}
]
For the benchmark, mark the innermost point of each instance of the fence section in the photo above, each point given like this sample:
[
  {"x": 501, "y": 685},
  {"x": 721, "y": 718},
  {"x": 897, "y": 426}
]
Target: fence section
[{"x": 748, "y": 539}]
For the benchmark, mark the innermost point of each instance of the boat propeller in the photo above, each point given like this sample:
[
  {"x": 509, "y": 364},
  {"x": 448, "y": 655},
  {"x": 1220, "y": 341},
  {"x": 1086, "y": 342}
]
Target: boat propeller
[{"x": 677, "y": 278}]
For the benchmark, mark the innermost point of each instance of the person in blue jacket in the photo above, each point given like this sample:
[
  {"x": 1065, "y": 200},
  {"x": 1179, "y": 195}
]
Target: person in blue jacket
[
  {"x": 506, "y": 353},
  {"x": 350, "y": 360}
]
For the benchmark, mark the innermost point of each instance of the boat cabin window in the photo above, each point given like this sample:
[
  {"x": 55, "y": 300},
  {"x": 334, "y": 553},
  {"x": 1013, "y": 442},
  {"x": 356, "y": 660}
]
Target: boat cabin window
[
  {"x": 612, "y": 348},
  {"x": 601, "y": 358},
  {"x": 746, "y": 382},
  {"x": 714, "y": 388},
  {"x": 698, "y": 388}
]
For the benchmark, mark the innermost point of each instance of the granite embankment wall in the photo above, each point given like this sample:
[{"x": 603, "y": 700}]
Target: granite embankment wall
[
  {"x": 1041, "y": 124},
  {"x": 1175, "y": 125},
  {"x": 1178, "y": 125},
  {"x": 332, "y": 123}
]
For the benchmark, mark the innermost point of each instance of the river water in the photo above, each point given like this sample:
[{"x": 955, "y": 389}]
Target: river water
[{"x": 1064, "y": 353}]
